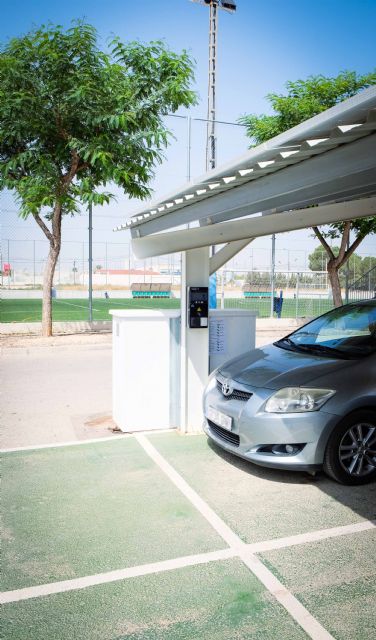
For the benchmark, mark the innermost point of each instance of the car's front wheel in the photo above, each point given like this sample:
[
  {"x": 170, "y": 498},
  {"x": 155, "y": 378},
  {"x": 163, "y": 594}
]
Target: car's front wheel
[{"x": 350, "y": 456}]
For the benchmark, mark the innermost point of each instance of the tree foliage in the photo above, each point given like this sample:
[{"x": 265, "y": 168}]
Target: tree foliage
[
  {"x": 74, "y": 119},
  {"x": 356, "y": 266},
  {"x": 303, "y": 100}
]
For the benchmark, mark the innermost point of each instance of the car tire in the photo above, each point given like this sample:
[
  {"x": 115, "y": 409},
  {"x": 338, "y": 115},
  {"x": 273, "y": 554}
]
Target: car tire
[{"x": 350, "y": 455}]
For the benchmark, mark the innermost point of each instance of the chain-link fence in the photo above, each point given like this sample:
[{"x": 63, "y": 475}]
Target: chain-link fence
[
  {"x": 305, "y": 293},
  {"x": 114, "y": 267},
  {"x": 364, "y": 287}
]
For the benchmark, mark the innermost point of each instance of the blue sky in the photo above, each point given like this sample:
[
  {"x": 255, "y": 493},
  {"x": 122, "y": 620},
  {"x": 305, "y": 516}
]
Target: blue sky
[{"x": 259, "y": 48}]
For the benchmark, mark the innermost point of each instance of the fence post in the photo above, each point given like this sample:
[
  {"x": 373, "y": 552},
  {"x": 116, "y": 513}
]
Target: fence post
[
  {"x": 9, "y": 270},
  {"x": 83, "y": 264},
  {"x": 272, "y": 278},
  {"x": 297, "y": 296}
]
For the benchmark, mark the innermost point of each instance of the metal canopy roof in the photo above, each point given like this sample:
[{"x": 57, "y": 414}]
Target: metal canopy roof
[{"x": 327, "y": 159}]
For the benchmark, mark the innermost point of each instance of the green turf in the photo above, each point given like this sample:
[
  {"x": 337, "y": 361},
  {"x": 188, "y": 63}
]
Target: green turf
[
  {"x": 217, "y": 601},
  {"x": 335, "y": 579},
  {"x": 262, "y": 504},
  {"x": 76, "y": 309},
  {"x": 75, "y": 511}
]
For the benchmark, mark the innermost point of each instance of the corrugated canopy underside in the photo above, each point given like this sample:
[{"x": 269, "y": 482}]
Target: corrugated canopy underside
[{"x": 345, "y": 123}]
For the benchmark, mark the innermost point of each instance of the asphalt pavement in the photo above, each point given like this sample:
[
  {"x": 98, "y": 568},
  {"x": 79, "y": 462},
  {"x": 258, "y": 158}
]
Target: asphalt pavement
[{"x": 59, "y": 389}]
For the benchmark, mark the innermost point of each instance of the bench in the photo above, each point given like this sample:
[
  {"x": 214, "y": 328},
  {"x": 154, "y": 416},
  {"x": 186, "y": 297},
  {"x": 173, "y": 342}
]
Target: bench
[
  {"x": 150, "y": 290},
  {"x": 256, "y": 291}
]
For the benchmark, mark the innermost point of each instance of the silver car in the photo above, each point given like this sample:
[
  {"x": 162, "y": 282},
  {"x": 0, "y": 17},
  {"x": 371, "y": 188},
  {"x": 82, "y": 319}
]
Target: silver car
[{"x": 305, "y": 402}]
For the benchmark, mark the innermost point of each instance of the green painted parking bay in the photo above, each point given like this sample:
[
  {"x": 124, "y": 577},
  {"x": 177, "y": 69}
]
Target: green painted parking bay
[
  {"x": 82, "y": 510},
  {"x": 335, "y": 579},
  {"x": 217, "y": 601},
  {"x": 258, "y": 503}
]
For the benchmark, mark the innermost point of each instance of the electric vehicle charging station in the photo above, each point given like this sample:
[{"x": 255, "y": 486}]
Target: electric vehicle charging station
[
  {"x": 328, "y": 161},
  {"x": 161, "y": 362}
]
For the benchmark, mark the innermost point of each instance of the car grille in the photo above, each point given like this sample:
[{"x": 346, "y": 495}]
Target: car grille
[
  {"x": 223, "y": 434},
  {"x": 237, "y": 394}
]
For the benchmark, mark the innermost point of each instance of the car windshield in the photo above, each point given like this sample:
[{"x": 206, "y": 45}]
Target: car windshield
[{"x": 345, "y": 332}]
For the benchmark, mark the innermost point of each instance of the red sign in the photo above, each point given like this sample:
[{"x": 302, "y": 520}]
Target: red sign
[{"x": 6, "y": 269}]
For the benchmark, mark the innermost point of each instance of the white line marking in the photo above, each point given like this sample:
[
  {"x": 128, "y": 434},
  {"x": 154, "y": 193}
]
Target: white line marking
[
  {"x": 237, "y": 548},
  {"x": 217, "y": 523},
  {"x": 72, "y": 304},
  {"x": 178, "y": 563},
  {"x": 311, "y": 536},
  {"x": 296, "y": 610},
  {"x": 113, "y": 576},
  {"x": 74, "y": 443}
]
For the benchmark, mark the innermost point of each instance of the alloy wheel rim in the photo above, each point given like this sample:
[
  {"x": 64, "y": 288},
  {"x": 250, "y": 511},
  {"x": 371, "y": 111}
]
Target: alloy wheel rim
[{"x": 357, "y": 450}]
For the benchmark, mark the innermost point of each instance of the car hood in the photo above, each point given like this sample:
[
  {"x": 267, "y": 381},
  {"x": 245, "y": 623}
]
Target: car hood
[{"x": 274, "y": 368}]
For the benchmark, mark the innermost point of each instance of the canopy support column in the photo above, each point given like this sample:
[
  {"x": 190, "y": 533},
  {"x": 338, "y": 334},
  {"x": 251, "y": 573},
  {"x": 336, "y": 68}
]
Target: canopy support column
[{"x": 194, "y": 343}]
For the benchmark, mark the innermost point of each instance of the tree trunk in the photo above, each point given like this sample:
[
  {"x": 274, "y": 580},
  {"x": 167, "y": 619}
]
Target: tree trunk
[
  {"x": 54, "y": 238},
  {"x": 334, "y": 282},
  {"x": 47, "y": 286}
]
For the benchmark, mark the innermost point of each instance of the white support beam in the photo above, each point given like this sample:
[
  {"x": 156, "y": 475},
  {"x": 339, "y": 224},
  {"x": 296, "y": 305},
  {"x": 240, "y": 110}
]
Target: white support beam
[
  {"x": 161, "y": 244},
  {"x": 226, "y": 253}
]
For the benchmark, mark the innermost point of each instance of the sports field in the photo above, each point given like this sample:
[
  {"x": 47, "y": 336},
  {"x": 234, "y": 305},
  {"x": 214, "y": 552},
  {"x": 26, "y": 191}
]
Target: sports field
[{"x": 76, "y": 309}]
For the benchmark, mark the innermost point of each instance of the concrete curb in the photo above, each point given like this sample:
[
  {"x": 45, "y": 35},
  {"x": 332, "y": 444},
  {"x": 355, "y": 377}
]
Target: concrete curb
[{"x": 35, "y": 328}]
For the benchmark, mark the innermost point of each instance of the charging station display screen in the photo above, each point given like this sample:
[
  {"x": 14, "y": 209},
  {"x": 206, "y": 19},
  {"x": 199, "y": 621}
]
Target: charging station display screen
[
  {"x": 196, "y": 296},
  {"x": 198, "y": 307}
]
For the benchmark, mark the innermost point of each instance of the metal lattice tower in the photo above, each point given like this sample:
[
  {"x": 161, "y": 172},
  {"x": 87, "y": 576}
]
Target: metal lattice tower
[{"x": 211, "y": 141}]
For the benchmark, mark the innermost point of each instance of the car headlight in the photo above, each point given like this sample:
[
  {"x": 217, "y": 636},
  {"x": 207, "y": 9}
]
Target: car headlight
[{"x": 297, "y": 400}]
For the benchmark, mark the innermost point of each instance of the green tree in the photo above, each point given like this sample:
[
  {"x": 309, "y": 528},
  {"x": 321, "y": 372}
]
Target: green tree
[
  {"x": 368, "y": 263},
  {"x": 74, "y": 118},
  {"x": 305, "y": 99},
  {"x": 318, "y": 258}
]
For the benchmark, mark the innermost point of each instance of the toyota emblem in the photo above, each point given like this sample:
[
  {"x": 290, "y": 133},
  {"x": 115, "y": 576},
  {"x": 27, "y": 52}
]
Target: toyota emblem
[{"x": 227, "y": 388}]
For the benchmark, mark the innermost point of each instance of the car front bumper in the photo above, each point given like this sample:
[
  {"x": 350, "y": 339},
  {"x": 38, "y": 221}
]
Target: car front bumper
[{"x": 257, "y": 436}]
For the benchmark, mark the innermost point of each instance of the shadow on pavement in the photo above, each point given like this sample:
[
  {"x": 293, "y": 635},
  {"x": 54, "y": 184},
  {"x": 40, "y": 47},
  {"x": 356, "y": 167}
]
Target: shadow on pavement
[{"x": 360, "y": 499}]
